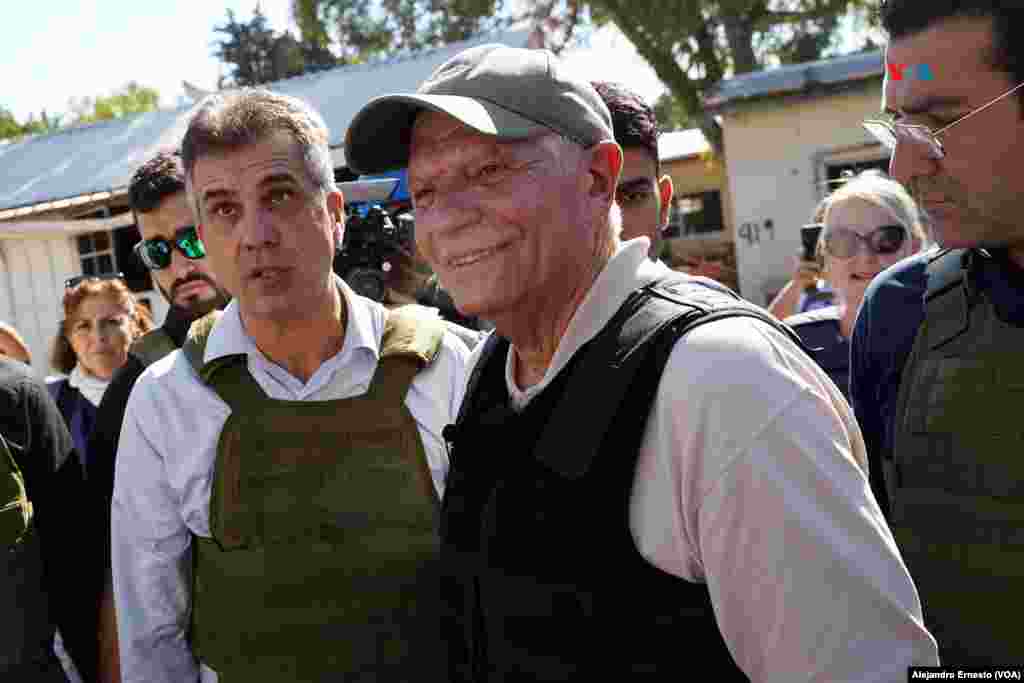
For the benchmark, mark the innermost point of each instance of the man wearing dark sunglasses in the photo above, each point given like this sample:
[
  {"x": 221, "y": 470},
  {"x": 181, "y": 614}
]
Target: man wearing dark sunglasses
[
  {"x": 172, "y": 251},
  {"x": 937, "y": 378},
  {"x": 170, "y": 245}
]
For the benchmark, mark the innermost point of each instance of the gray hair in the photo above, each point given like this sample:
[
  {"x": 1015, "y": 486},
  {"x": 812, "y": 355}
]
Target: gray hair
[
  {"x": 568, "y": 153},
  {"x": 234, "y": 119}
]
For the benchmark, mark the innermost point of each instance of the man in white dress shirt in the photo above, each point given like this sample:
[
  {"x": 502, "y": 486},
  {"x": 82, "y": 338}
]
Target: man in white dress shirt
[
  {"x": 628, "y": 499},
  {"x": 275, "y": 510}
]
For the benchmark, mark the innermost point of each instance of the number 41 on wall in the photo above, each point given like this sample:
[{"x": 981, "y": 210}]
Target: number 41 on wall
[{"x": 751, "y": 231}]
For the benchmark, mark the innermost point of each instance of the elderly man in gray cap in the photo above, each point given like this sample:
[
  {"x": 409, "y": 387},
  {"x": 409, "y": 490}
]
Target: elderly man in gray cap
[{"x": 648, "y": 474}]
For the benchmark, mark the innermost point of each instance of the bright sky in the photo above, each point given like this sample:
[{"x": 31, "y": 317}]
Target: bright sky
[{"x": 58, "y": 49}]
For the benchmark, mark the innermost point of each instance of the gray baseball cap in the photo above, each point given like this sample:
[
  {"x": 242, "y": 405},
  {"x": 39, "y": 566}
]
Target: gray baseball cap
[{"x": 512, "y": 93}]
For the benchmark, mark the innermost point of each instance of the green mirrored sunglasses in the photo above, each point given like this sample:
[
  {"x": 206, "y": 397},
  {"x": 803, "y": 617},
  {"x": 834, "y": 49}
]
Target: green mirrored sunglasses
[{"x": 156, "y": 253}]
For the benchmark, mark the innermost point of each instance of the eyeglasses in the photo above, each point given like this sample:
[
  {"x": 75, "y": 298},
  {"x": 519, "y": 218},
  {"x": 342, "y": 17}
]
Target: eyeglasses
[
  {"x": 890, "y": 133},
  {"x": 79, "y": 279},
  {"x": 156, "y": 253},
  {"x": 845, "y": 243}
]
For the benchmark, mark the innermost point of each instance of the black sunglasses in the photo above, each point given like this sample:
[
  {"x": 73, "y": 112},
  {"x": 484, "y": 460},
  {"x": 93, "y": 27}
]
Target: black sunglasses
[
  {"x": 79, "y": 279},
  {"x": 156, "y": 253},
  {"x": 844, "y": 243}
]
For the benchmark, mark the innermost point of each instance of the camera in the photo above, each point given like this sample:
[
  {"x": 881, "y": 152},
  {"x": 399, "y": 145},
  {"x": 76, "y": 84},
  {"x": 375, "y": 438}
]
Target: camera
[
  {"x": 380, "y": 234},
  {"x": 378, "y": 227},
  {"x": 372, "y": 239},
  {"x": 809, "y": 237}
]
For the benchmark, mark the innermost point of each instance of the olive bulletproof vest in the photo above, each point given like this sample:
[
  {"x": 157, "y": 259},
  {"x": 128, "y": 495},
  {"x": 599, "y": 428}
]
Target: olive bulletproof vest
[
  {"x": 152, "y": 346},
  {"x": 957, "y": 478},
  {"x": 322, "y": 564}
]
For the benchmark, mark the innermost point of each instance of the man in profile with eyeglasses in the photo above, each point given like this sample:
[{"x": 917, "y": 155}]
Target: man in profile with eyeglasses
[
  {"x": 172, "y": 251},
  {"x": 937, "y": 377}
]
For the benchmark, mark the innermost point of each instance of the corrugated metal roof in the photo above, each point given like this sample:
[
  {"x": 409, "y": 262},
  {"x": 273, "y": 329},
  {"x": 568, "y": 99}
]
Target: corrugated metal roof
[
  {"x": 796, "y": 78},
  {"x": 102, "y": 157},
  {"x": 680, "y": 144}
]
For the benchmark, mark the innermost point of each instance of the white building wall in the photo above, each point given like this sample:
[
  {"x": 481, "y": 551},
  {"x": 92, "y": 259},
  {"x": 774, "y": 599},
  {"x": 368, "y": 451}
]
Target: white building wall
[
  {"x": 776, "y": 152},
  {"x": 32, "y": 280},
  {"x": 32, "y": 275}
]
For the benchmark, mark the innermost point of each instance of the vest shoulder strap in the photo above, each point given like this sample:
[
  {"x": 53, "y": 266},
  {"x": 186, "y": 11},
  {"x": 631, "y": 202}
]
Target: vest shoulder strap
[
  {"x": 491, "y": 343},
  {"x": 642, "y": 335},
  {"x": 152, "y": 346},
  {"x": 946, "y": 269},
  {"x": 653, "y": 318},
  {"x": 228, "y": 376},
  {"x": 413, "y": 331},
  {"x": 194, "y": 347},
  {"x": 947, "y": 308},
  {"x": 411, "y": 341}
]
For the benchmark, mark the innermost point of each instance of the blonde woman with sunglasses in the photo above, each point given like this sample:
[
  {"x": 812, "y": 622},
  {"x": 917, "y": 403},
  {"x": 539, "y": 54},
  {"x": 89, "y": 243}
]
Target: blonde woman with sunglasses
[{"x": 868, "y": 224}]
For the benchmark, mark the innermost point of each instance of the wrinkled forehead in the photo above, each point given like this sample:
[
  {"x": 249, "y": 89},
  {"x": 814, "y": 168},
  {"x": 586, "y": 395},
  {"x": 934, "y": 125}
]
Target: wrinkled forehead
[
  {"x": 440, "y": 142},
  {"x": 434, "y": 131},
  {"x": 251, "y": 164}
]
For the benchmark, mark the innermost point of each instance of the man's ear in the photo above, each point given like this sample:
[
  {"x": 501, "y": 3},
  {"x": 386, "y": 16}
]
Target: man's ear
[
  {"x": 336, "y": 210},
  {"x": 665, "y": 197},
  {"x": 605, "y": 168}
]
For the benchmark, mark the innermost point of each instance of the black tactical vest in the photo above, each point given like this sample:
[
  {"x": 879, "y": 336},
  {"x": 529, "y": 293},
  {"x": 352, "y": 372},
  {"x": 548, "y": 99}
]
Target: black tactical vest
[
  {"x": 542, "y": 575},
  {"x": 957, "y": 478}
]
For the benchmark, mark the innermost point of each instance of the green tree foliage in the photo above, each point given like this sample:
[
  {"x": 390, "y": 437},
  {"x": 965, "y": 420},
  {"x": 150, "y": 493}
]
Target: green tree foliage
[
  {"x": 671, "y": 116},
  {"x": 358, "y": 30},
  {"x": 693, "y": 44},
  {"x": 258, "y": 54},
  {"x": 132, "y": 98},
  {"x": 10, "y": 128}
]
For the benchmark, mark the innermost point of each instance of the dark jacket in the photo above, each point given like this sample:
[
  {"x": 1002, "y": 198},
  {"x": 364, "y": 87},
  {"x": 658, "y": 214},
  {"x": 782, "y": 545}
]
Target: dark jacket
[
  {"x": 65, "y": 598},
  {"x": 79, "y": 416},
  {"x": 819, "y": 330}
]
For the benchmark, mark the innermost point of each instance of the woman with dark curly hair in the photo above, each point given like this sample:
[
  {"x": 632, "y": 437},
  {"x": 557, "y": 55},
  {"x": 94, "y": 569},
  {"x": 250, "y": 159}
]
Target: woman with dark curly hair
[{"x": 101, "y": 320}]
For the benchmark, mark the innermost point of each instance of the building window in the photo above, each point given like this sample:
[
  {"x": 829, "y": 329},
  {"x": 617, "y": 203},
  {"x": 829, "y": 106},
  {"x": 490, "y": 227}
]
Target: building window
[
  {"x": 837, "y": 173},
  {"x": 696, "y": 214},
  {"x": 136, "y": 275},
  {"x": 96, "y": 251}
]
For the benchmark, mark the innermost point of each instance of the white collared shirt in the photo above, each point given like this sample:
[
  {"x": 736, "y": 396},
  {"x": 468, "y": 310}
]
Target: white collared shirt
[
  {"x": 165, "y": 466},
  {"x": 751, "y": 478}
]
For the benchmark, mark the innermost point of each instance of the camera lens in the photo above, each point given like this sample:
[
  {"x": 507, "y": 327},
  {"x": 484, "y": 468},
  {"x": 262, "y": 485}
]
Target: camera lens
[{"x": 366, "y": 282}]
